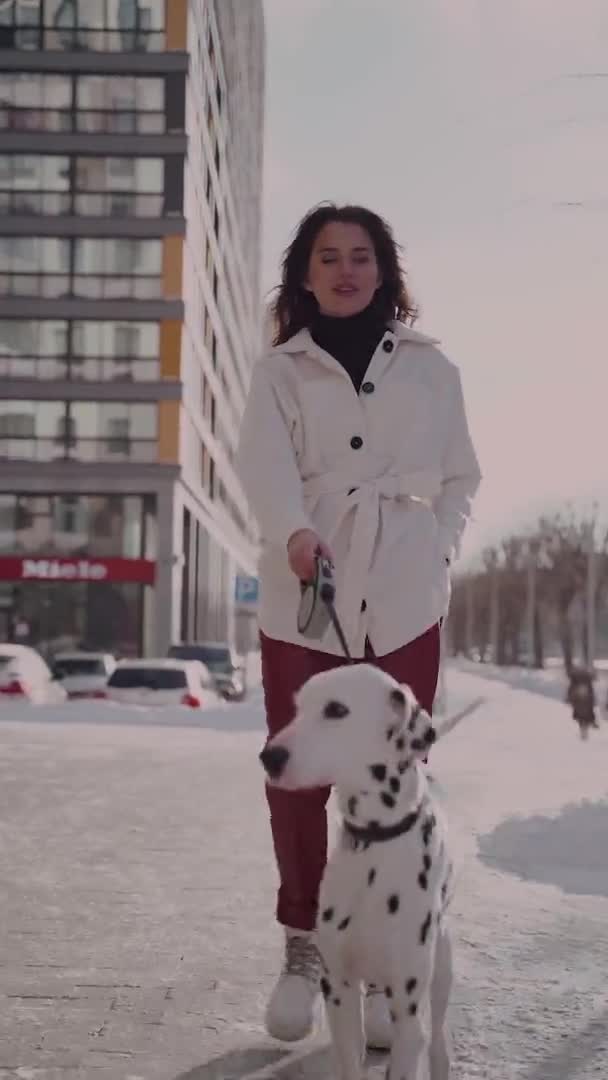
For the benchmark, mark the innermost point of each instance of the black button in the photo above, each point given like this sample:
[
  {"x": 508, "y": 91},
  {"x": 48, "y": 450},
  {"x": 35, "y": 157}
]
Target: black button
[
  {"x": 364, "y": 605},
  {"x": 352, "y": 491},
  {"x": 368, "y": 388},
  {"x": 356, "y": 442},
  {"x": 388, "y": 346}
]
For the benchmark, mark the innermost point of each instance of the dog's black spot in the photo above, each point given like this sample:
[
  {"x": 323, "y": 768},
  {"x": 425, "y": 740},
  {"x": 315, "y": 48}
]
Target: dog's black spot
[
  {"x": 393, "y": 903},
  {"x": 400, "y": 743},
  {"x": 395, "y": 785},
  {"x": 411, "y": 985},
  {"x": 398, "y": 697},
  {"x": 430, "y": 736},
  {"x": 337, "y": 1002},
  {"x": 393, "y": 1017},
  {"x": 335, "y": 710},
  {"x": 346, "y": 984},
  {"x": 424, "y": 929},
  {"x": 427, "y": 828},
  {"x": 371, "y": 877},
  {"x": 413, "y": 1009},
  {"x": 378, "y": 772},
  {"x": 328, "y": 914},
  {"x": 342, "y": 925},
  {"x": 402, "y": 766},
  {"x": 390, "y": 732},
  {"x": 418, "y": 744},
  {"x": 352, "y": 805},
  {"x": 444, "y": 891},
  {"x": 325, "y": 987},
  {"x": 388, "y": 800},
  {"x": 423, "y": 880},
  {"x": 388, "y": 990},
  {"x": 427, "y": 862}
]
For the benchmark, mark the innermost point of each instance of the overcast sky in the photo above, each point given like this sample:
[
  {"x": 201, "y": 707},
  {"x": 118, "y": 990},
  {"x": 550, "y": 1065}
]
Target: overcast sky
[{"x": 472, "y": 125}]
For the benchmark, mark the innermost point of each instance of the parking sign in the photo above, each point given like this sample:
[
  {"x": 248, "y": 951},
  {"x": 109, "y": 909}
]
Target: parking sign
[{"x": 246, "y": 590}]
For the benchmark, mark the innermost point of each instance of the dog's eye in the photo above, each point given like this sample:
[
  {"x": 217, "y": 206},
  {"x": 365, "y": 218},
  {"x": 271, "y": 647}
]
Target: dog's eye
[
  {"x": 397, "y": 697},
  {"x": 335, "y": 710}
]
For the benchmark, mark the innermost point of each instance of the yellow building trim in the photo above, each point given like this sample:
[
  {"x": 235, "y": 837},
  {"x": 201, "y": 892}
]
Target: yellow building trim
[
  {"x": 170, "y": 348},
  {"x": 177, "y": 24},
  {"x": 172, "y": 267},
  {"x": 168, "y": 432}
]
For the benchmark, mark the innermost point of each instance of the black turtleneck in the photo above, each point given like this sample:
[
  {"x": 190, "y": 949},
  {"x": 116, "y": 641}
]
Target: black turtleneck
[{"x": 351, "y": 340}]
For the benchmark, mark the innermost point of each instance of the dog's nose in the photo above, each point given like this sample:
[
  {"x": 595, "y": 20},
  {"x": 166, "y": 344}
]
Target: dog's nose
[{"x": 274, "y": 760}]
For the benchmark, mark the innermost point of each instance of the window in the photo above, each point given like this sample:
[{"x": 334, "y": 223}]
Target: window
[
  {"x": 34, "y": 266},
  {"x": 95, "y": 268},
  {"x": 126, "y": 340},
  {"x": 111, "y": 104},
  {"x": 120, "y": 104},
  {"x": 17, "y": 425},
  {"x": 118, "y": 434},
  {"x": 69, "y": 516},
  {"x": 103, "y": 25},
  {"x": 66, "y": 523},
  {"x": 80, "y": 430},
  {"x": 97, "y": 186},
  {"x": 85, "y": 350}
]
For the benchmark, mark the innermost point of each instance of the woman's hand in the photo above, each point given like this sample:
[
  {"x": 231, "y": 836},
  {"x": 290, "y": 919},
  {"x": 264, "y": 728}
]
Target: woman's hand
[{"x": 302, "y": 548}]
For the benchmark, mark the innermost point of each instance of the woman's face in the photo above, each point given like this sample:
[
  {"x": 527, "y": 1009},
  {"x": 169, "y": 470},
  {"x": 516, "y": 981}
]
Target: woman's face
[{"x": 343, "y": 272}]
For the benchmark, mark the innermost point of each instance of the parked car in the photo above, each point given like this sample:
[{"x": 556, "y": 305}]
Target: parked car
[
  {"x": 226, "y": 666},
  {"x": 162, "y": 682},
  {"x": 25, "y": 676},
  {"x": 83, "y": 674}
]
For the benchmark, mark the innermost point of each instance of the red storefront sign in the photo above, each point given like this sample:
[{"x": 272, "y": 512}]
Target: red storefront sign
[{"x": 77, "y": 568}]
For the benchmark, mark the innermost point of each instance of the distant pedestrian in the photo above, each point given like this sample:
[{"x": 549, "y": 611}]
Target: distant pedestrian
[{"x": 581, "y": 696}]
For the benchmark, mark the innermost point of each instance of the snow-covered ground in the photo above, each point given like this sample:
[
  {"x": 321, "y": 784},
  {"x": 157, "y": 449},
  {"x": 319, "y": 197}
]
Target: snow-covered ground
[{"x": 528, "y": 808}]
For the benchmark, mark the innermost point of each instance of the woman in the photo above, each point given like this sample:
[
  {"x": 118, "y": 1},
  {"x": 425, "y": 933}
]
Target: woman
[{"x": 354, "y": 444}]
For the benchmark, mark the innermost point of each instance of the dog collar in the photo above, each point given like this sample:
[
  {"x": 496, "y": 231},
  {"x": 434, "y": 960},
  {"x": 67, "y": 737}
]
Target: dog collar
[{"x": 376, "y": 833}]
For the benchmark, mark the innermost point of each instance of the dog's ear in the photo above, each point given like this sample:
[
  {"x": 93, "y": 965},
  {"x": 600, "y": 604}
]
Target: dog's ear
[
  {"x": 398, "y": 700},
  {"x": 421, "y": 731}
]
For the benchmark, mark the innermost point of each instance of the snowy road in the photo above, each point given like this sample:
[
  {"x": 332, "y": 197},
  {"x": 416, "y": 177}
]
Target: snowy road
[{"x": 137, "y": 938}]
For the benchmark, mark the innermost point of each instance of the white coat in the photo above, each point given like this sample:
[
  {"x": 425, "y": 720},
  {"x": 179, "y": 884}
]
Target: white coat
[{"x": 386, "y": 477}]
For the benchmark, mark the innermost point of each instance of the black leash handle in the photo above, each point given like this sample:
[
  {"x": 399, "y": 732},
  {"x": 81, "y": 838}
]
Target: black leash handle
[
  {"x": 316, "y": 595},
  {"x": 338, "y": 628}
]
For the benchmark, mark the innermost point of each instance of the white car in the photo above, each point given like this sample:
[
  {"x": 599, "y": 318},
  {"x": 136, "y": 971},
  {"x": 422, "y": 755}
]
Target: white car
[
  {"x": 25, "y": 677},
  {"x": 83, "y": 674},
  {"x": 162, "y": 682}
]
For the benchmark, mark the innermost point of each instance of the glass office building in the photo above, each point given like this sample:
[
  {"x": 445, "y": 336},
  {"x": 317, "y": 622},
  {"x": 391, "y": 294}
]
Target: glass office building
[{"x": 131, "y": 141}]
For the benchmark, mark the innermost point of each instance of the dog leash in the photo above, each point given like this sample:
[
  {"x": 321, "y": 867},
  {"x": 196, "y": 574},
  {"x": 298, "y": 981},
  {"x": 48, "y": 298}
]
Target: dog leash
[{"x": 317, "y": 606}]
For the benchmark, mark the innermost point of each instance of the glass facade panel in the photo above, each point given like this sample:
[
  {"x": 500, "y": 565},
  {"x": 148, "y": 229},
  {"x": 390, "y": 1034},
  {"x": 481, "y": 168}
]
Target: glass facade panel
[
  {"x": 78, "y": 430},
  {"x": 105, "y": 25},
  {"x": 94, "y": 103},
  {"x": 102, "y": 268}
]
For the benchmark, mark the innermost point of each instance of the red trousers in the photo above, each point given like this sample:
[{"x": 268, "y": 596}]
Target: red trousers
[{"x": 299, "y": 819}]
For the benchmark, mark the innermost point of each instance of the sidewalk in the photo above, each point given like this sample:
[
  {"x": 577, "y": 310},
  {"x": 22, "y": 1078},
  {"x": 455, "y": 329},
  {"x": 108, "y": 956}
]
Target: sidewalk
[{"x": 137, "y": 936}]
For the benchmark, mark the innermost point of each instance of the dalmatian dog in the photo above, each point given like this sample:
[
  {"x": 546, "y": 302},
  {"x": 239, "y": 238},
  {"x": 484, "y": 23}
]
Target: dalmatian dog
[{"x": 382, "y": 910}]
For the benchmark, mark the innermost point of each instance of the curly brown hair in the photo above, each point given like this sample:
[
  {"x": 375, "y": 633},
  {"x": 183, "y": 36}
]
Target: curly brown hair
[{"x": 295, "y": 306}]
